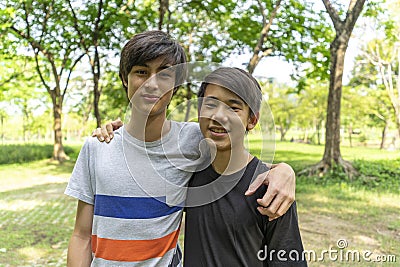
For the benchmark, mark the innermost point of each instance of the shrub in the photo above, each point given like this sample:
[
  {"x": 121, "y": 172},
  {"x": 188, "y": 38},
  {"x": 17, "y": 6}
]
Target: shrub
[
  {"x": 30, "y": 152},
  {"x": 381, "y": 175}
]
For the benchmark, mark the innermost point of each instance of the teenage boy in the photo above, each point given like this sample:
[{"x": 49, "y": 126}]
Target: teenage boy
[
  {"x": 123, "y": 219},
  {"x": 229, "y": 231}
]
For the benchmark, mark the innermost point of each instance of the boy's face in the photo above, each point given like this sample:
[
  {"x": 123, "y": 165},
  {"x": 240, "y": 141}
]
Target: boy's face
[
  {"x": 150, "y": 86},
  {"x": 224, "y": 117}
]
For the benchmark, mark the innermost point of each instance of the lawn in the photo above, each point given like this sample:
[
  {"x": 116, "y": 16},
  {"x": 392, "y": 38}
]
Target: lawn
[{"x": 36, "y": 219}]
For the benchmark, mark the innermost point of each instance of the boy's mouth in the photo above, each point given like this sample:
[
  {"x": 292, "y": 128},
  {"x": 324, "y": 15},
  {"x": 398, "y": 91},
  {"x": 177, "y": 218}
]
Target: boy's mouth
[
  {"x": 150, "y": 98},
  {"x": 219, "y": 131}
]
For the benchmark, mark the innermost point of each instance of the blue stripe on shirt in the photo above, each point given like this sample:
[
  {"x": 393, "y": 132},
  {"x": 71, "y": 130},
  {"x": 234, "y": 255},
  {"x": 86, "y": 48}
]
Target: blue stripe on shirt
[{"x": 132, "y": 207}]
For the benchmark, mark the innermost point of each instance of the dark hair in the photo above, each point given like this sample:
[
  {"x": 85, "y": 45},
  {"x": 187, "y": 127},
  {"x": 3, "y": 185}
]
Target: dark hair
[
  {"x": 146, "y": 46},
  {"x": 239, "y": 82}
]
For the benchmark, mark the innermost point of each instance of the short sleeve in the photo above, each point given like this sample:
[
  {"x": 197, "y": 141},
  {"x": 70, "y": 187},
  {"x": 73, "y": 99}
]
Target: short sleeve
[
  {"x": 283, "y": 234},
  {"x": 80, "y": 183}
]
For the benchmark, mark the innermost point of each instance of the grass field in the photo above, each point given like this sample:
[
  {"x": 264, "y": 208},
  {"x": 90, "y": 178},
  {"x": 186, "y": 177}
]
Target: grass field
[{"x": 36, "y": 219}]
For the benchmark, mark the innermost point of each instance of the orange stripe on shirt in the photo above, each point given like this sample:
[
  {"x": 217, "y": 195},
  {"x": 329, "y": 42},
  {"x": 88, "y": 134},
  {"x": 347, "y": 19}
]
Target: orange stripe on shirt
[{"x": 133, "y": 250}]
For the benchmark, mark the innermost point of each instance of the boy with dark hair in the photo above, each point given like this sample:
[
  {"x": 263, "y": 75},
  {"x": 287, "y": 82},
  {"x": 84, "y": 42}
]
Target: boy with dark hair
[
  {"x": 124, "y": 215},
  {"x": 229, "y": 231},
  {"x": 118, "y": 222}
]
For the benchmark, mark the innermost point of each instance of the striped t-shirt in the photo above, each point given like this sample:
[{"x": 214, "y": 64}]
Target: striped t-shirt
[{"x": 137, "y": 189}]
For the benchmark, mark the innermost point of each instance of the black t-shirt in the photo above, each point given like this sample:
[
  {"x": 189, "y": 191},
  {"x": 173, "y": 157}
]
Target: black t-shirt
[{"x": 231, "y": 232}]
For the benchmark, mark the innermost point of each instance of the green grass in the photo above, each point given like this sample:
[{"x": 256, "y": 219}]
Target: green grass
[
  {"x": 366, "y": 220},
  {"x": 379, "y": 170},
  {"x": 300, "y": 155},
  {"x": 35, "y": 226},
  {"x": 36, "y": 219}
]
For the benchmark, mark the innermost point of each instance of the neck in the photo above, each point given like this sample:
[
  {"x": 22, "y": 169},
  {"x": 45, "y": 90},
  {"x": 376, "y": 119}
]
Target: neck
[
  {"x": 231, "y": 161},
  {"x": 148, "y": 128}
]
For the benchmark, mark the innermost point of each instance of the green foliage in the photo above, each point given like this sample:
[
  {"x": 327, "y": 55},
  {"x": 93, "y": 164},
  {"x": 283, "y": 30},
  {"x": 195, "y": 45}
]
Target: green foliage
[
  {"x": 379, "y": 175},
  {"x": 113, "y": 101},
  {"x": 191, "y": 22},
  {"x": 375, "y": 176},
  {"x": 312, "y": 108},
  {"x": 26, "y": 153},
  {"x": 379, "y": 170},
  {"x": 283, "y": 104},
  {"x": 377, "y": 67}
]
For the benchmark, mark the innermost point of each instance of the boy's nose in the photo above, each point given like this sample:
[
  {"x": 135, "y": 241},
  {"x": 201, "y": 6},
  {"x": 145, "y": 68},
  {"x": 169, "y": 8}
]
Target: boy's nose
[
  {"x": 152, "y": 83},
  {"x": 220, "y": 115}
]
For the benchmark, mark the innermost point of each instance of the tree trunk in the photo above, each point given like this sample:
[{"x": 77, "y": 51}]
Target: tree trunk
[
  {"x": 58, "y": 151},
  {"x": 283, "y": 133},
  {"x": 343, "y": 28},
  {"x": 397, "y": 102},
  {"x": 164, "y": 6},
  {"x": 305, "y": 139},
  {"x": 2, "y": 129},
  {"x": 188, "y": 101},
  {"x": 398, "y": 123},
  {"x": 96, "y": 97},
  {"x": 332, "y": 155},
  {"x": 350, "y": 130},
  {"x": 96, "y": 66},
  {"x": 384, "y": 131},
  {"x": 319, "y": 132},
  {"x": 332, "y": 143}
]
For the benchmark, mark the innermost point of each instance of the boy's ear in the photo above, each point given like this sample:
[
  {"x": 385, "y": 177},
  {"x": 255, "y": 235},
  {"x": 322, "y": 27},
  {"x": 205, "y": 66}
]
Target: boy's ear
[
  {"x": 124, "y": 82},
  {"x": 252, "y": 121}
]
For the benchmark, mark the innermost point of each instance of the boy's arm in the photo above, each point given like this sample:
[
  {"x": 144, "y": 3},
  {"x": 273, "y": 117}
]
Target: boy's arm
[
  {"x": 280, "y": 194},
  {"x": 281, "y": 179},
  {"x": 80, "y": 245}
]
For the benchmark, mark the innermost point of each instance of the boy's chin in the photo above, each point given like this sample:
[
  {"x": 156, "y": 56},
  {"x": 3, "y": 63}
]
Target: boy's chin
[
  {"x": 222, "y": 147},
  {"x": 150, "y": 110}
]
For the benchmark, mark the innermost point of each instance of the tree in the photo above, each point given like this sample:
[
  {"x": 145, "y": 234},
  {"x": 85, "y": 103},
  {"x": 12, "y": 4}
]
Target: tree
[
  {"x": 43, "y": 26},
  {"x": 100, "y": 27},
  {"x": 283, "y": 102},
  {"x": 365, "y": 77},
  {"x": 299, "y": 34},
  {"x": 312, "y": 107},
  {"x": 162, "y": 11},
  {"x": 259, "y": 51},
  {"x": 386, "y": 57},
  {"x": 343, "y": 28},
  {"x": 115, "y": 98},
  {"x": 190, "y": 23},
  {"x": 21, "y": 87},
  {"x": 354, "y": 113},
  {"x": 380, "y": 114},
  {"x": 3, "y": 117},
  {"x": 293, "y": 29}
]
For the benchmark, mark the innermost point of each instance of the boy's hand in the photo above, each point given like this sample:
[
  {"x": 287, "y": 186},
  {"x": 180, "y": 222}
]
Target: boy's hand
[
  {"x": 281, "y": 181},
  {"x": 106, "y": 132}
]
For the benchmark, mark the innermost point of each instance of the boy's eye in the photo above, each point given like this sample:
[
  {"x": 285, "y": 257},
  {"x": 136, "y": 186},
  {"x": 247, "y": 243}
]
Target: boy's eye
[
  {"x": 210, "y": 105},
  {"x": 234, "y": 108},
  {"x": 165, "y": 75},
  {"x": 141, "y": 72}
]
